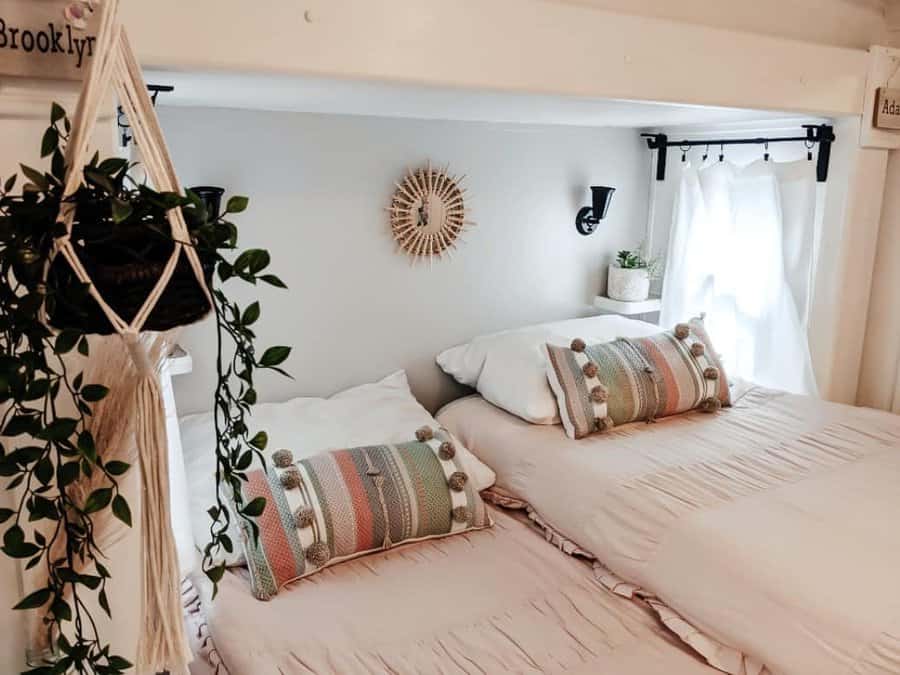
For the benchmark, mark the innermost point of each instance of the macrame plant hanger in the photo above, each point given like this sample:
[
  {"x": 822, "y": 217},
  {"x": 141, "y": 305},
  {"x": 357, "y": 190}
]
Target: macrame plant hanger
[{"x": 162, "y": 645}]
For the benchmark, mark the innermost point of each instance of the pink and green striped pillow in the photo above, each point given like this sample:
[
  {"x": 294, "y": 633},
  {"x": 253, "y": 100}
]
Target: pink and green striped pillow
[
  {"x": 341, "y": 504},
  {"x": 629, "y": 379}
]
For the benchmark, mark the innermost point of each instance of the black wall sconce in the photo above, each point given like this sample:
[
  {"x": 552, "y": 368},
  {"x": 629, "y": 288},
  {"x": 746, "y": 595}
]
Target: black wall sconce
[
  {"x": 122, "y": 120},
  {"x": 590, "y": 216},
  {"x": 211, "y": 197}
]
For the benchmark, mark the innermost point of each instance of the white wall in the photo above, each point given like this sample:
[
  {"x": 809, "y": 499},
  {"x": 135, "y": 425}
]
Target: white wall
[{"x": 318, "y": 188}]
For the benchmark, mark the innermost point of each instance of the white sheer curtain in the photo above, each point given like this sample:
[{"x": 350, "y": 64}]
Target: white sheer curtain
[{"x": 741, "y": 251}]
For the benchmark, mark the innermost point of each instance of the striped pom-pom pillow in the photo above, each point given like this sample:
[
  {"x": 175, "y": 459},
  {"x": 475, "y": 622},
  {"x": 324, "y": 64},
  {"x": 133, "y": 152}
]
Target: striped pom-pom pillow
[
  {"x": 599, "y": 386},
  {"x": 341, "y": 504}
]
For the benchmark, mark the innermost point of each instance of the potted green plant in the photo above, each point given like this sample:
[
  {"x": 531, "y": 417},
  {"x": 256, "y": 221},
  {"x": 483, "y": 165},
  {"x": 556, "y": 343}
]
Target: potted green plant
[
  {"x": 630, "y": 276},
  {"x": 122, "y": 237}
]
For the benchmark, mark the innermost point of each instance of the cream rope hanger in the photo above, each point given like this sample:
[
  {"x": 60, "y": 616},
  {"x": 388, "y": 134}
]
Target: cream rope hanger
[{"x": 162, "y": 643}]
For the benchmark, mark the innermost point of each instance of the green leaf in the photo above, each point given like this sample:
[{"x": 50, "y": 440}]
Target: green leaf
[
  {"x": 86, "y": 445},
  {"x": 253, "y": 260},
  {"x": 83, "y": 347},
  {"x": 255, "y": 508},
  {"x": 58, "y": 165},
  {"x": 10, "y": 183},
  {"x": 120, "y": 210},
  {"x": 44, "y": 471},
  {"x": 274, "y": 356},
  {"x": 15, "y": 546},
  {"x": 58, "y": 430},
  {"x": 49, "y": 142},
  {"x": 94, "y": 177},
  {"x": 94, "y": 392},
  {"x": 216, "y": 573},
  {"x": 66, "y": 341},
  {"x": 272, "y": 280},
  {"x": 61, "y": 610},
  {"x": 119, "y": 663},
  {"x": 112, "y": 165},
  {"x": 37, "y": 599},
  {"x": 6, "y": 514},
  {"x": 259, "y": 260},
  {"x": 225, "y": 271},
  {"x": 249, "y": 397},
  {"x": 57, "y": 112},
  {"x": 37, "y": 389},
  {"x": 117, "y": 468},
  {"x": 236, "y": 204},
  {"x": 36, "y": 177},
  {"x": 250, "y": 315},
  {"x": 244, "y": 461},
  {"x": 260, "y": 440},
  {"x": 20, "y": 424},
  {"x": 121, "y": 510},
  {"x": 68, "y": 473},
  {"x": 98, "y": 500},
  {"x": 104, "y": 602}
]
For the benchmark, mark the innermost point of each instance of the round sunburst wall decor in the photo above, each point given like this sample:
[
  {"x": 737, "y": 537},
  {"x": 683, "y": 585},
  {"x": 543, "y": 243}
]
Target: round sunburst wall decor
[{"x": 428, "y": 212}]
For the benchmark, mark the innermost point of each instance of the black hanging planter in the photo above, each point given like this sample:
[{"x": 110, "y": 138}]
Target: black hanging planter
[{"x": 124, "y": 269}]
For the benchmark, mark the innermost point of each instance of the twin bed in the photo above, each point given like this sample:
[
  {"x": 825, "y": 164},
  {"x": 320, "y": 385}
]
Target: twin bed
[{"x": 761, "y": 539}]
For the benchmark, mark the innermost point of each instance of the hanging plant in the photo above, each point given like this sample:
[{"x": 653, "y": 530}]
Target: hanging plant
[{"x": 49, "y": 454}]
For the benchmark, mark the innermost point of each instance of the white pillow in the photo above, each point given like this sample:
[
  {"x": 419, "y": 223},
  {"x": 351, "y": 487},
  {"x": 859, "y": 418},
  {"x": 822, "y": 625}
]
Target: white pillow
[
  {"x": 509, "y": 368},
  {"x": 370, "y": 414}
]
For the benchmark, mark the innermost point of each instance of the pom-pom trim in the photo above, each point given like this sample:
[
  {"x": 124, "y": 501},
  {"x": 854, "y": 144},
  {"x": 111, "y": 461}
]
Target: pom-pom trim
[
  {"x": 447, "y": 451},
  {"x": 460, "y": 514},
  {"x": 599, "y": 394},
  {"x": 291, "y": 479},
  {"x": 457, "y": 481},
  {"x": 318, "y": 554},
  {"x": 283, "y": 458},
  {"x": 304, "y": 516}
]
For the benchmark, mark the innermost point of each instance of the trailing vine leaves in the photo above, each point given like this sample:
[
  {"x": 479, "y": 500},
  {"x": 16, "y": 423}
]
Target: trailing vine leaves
[
  {"x": 47, "y": 447},
  {"x": 235, "y": 393}
]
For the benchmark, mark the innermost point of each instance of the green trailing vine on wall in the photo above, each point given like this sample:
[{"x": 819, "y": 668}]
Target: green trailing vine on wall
[{"x": 48, "y": 449}]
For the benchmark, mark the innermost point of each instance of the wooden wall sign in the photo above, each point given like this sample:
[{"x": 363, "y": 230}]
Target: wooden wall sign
[
  {"x": 36, "y": 41},
  {"x": 887, "y": 108}
]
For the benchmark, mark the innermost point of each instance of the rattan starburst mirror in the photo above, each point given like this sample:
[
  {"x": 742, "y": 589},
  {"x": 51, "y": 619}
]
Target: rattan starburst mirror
[{"x": 428, "y": 212}]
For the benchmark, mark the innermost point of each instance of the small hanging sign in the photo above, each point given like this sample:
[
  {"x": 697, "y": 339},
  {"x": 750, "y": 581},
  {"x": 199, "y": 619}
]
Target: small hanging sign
[
  {"x": 36, "y": 40},
  {"x": 887, "y": 108}
]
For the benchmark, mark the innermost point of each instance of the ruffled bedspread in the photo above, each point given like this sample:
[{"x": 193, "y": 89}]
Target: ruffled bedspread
[
  {"x": 494, "y": 601},
  {"x": 767, "y": 536}
]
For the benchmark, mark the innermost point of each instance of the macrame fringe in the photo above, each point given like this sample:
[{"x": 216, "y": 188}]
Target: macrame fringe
[{"x": 162, "y": 644}]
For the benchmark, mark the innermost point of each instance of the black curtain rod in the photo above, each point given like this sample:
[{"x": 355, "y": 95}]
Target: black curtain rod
[{"x": 821, "y": 134}]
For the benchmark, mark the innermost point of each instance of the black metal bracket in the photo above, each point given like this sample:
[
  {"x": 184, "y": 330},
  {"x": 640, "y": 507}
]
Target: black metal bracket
[
  {"x": 816, "y": 134},
  {"x": 122, "y": 120}
]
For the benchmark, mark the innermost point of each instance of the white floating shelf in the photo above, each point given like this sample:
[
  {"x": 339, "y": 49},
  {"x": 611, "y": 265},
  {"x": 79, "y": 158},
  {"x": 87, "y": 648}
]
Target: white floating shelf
[
  {"x": 180, "y": 361},
  {"x": 611, "y": 306}
]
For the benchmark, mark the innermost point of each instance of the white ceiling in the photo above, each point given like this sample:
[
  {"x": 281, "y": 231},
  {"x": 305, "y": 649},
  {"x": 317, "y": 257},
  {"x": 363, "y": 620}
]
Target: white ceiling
[{"x": 319, "y": 95}]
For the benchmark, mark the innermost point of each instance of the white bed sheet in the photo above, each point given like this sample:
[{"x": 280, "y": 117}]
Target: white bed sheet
[
  {"x": 500, "y": 600},
  {"x": 771, "y": 527}
]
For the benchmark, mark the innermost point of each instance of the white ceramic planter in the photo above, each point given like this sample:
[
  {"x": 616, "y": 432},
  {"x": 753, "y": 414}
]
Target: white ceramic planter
[{"x": 628, "y": 285}]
